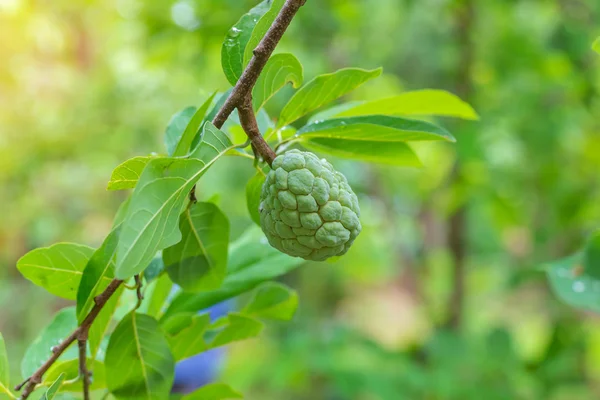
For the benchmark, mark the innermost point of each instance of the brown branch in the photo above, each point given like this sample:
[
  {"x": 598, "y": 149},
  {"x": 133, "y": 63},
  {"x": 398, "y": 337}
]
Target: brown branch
[
  {"x": 100, "y": 300},
  {"x": 83, "y": 371},
  {"x": 245, "y": 84},
  {"x": 248, "y": 121}
]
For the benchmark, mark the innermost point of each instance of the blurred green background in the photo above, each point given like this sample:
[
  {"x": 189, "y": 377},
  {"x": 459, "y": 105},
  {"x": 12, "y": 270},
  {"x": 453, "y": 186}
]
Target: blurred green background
[{"x": 442, "y": 296}]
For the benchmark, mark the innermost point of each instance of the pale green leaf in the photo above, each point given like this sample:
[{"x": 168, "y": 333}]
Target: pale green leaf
[
  {"x": 390, "y": 153},
  {"x": 187, "y": 136},
  {"x": 322, "y": 90},
  {"x": 151, "y": 221},
  {"x": 572, "y": 285},
  {"x": 127, "y": 174},
  {"x": 332, "y": 112},
  {"x": 54, "y": 387},
  {"x": 253, "y": 189},
  {"x": 261, "y": 28},
  {"x": 157, "y": 293},
  {"x": 70, "y": 369},
  {"x": 4, "y": 369},
  {"x": 57, "y": 268},
  {"x": 252, "y": 261},
  {"x": 199, "y": 261},
  {"x": 185, "y": 333},
  {"x": 377, "y": 128},
  {"x": 63, "y": 324},
  {"x": 214, "y": 391},
  {"x": 234, "y": 46},
  {"x": 280, "y": 69},
  {"x": 138, "y": 361},
  {"x": 419, "y": 102},
  {"x": 273, "y": 300},
  {"x": 177, "y": 125},
  {"x": 237, "y": 327}
]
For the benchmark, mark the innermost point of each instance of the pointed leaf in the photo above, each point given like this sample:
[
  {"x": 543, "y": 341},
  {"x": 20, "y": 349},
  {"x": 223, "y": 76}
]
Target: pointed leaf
[
  {"x": 419, "y": 102},
  {"x": 273, "y": 300},
  {"x": 139, "y": 363},
  {"x": 234, "y": 46},
  {"x": 214, "y": 391},
  {"x": 199, "y": 261},
  {"x": 238, "y": 327},
  {"x": 64, "y": 322},
  {"x": 261, "y": 28},
  {"x": 127, "y": 174},
  {"x": 377, "y": 128},
  {"x": 322, "y": 90},
  {"x": 53, "y": 389},
  {"x": 151, "y": 221},
  {"x": 390, "y": 153},
  {"x": 572, "y": 285},
  {"x": 280, "y": 69},
  {"x": 177, "y": 126},
  {"x": 252, "y": 261},
  {"x": 186, "y": 137},
  {"x": 253, "y": 189},
  {"x": 57, "y": 268},
  {"x": 4, "y": 369},
  {"x": 185, "y": 334}
]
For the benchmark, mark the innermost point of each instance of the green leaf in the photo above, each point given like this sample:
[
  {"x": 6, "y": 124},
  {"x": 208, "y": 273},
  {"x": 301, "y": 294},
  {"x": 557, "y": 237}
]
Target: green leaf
[
  {"x": 139, "y": 363},
  {"x": 70, "y": 370},
  {"x": 151, "y": 221},
  {"x": 57, "y": 268},
  {"x": 121, "y": 212},
  {"x": 377, "y": 128},
  {"x": 273, "y": 300},
  {"x": 185, "y": 333},
  {"x": 261, "y": 28},
  {"x": 419, "y": 102},
  {"x": 234, "y": 46},
  {"x": 253, "y": 189},
  {"x": 4, "y": 369},
  {"x": 591, "y": 256},
  {"x": 63, "y": 324},
  {"x": 199, "y": 261},
  {"x": 177, "y": 126},
  {"x": 187, "y": 136},
  {"x": 157, "y": 293},
  {"x": 53, "y": 389},
  {"x": 127, "y": 174},
  {"x": 280, "y": 69},
  {"x": 214, "y": 391},
  {"x": 596, "y": 46},
  {"x": 238, "y": 327},
  {"x": 390, "y": 153},
  {"x": 322, "y": 90},
  {"x": 573, "y": 286},
  {"x": 252, "y": 261}
]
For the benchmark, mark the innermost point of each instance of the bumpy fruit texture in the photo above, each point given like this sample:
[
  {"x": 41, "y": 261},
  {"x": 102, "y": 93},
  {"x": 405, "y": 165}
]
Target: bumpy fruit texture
[{"x": 307, "y": 208}]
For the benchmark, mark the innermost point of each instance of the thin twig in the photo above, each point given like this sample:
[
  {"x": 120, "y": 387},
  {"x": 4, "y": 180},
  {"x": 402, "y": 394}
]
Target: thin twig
[
  {"x": 30, "y": 383},
  {"x": 138, "y": 291},
  {"x": 83, "y": 371},
  {"x": 248, "y": 121}
]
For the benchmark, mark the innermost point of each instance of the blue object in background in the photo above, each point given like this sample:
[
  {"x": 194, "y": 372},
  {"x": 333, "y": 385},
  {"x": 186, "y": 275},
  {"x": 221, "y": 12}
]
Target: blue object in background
[{"x": 201, "y": 369}]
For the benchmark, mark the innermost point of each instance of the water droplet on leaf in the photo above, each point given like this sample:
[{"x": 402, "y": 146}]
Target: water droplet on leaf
[{"x": 578, "y": 286}]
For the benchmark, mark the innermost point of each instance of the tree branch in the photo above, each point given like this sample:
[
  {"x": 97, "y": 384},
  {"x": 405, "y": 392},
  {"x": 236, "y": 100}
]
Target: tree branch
[
  {"x": 35, "y": 379},
  {"x": 83, "y": 371},
  {"x": 248, "y": 121}
]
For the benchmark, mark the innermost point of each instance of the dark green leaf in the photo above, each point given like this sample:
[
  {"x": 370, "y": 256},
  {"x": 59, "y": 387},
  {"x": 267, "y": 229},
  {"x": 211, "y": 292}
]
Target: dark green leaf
[
  {"x": 391, "y": 153},
  {"x": 177, "y": 126},
  {"x": 53, "y": 389},
  {"x": 377, "y": 128},
  {"x": 252, "y": 261},
  {"x": 253, "y": 189},
  {"x": 64, "y": 322},
  {"x": 199, "y": 261},
  {"x": 419, "y": 102},
  {"x": 234, "y": 46},
  {"x": 191, "y": 130},
  {"x": 4, "y": 369},
  {"x": 151, "y": 221},
  {"x": 573, "y": 286},
  {"x": 238, "y": 327},
  {"x": 280, "y": 69},
  {"x": 322, "y": 90},
  {"x": 127, "y": 174},
  {"x": 273, "y": 300},
  {"x": 214, "y": 391},
  {"x": 186, "y": 334},
  {"x": 70, "y": 369},
  {"x": 139, "y": 363},
  {"x": 591, "y": 256},
  {"x": 57, "y": 268},
  {"x": 261, "y": 28}
]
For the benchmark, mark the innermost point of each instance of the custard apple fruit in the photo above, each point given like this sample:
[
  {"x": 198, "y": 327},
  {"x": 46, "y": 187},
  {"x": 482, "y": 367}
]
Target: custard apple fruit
[{"x": 307, "y": 209}]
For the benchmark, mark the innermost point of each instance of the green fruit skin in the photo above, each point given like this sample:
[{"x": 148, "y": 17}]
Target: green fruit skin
[{"x": 307, "y": 209}]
